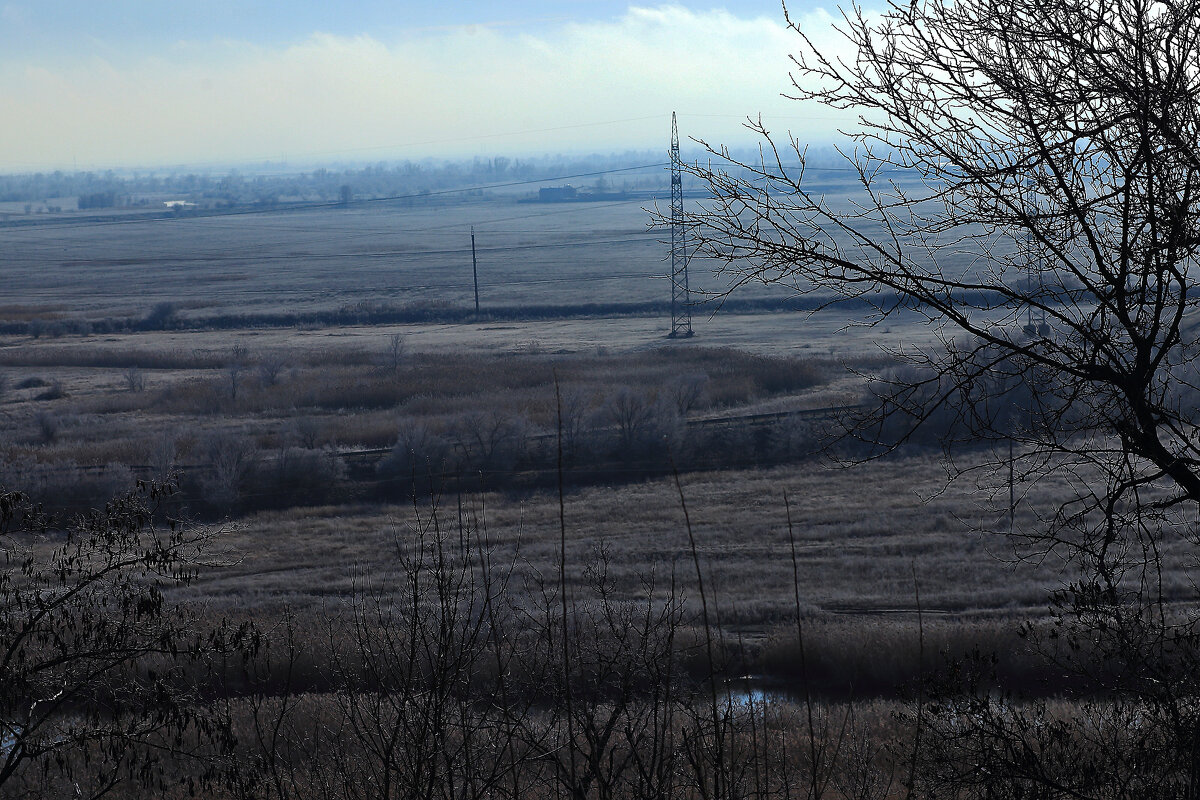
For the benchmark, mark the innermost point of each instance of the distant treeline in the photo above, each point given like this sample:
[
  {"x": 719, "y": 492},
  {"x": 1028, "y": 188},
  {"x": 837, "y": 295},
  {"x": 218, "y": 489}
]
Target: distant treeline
[
  {"x": 375, "y": 314},
  {"x": 375, "y": 180},
  {"x": 339, "y": 184},
  {"x": 107, "y": 199}
]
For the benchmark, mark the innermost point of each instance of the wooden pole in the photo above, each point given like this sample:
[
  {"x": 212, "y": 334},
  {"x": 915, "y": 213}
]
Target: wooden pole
[{"x": 475, "y": 270}]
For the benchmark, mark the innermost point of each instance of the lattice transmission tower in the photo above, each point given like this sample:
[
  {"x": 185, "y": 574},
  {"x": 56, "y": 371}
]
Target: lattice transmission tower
[{"x": 681, "y": 301}]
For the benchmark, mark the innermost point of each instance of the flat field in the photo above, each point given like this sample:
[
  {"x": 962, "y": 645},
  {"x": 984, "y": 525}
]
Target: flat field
[
  {"x": 326, "y": 259},
  {"x": 219, "y": 376}
]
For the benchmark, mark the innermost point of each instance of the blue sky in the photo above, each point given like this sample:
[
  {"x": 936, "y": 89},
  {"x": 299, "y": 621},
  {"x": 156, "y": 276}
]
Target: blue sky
[
  {"x": 117, "y": 83},
  {"x": 32, "y": 25}
]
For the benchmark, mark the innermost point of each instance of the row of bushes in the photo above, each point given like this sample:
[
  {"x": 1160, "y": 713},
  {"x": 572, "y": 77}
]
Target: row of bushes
[
  {"x": 499, "y": 418},
  {"x": 227, "y": 472}
]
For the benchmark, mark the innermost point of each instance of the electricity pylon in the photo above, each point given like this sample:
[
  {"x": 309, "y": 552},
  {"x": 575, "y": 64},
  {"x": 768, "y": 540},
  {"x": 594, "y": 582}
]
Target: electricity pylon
[{"x": 681, "y": 302}]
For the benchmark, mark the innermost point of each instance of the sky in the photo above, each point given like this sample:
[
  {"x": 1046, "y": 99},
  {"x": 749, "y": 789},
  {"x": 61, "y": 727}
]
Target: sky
[{"x": 98, "y": 84}]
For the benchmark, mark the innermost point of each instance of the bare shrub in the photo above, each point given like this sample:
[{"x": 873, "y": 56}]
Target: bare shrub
[
  {"x": 641, "y": 424},
  {"x": 270, "y": 367},
  {"x": 303, "y": 477},
  {"x": 160, "y": 456},
  {"x": 54, "y": 392},
  {"x": 619, "y": 700},
  {"x": 44, "y": 482},
  {"x": 307, "y": 430},
  {"x": 230, "y": 459},
  {"x": 163, "y": 316},
  {"x": 488, "y": 441},
  {"x": 419, "y": 452},
  {"x": 429, "y": 652},
  {"x": 446, "y": 683},
  {"x": 687, "y": 392},
  {"x": 113, "y": 480},
  {"x": 776, "y": 375},
  {"x": 393, "y": 355},
  {"x": 347, "y": 387},
  {"x": 48, "y": 425},
  {"x": 135, "y": 379},
  {"x": 987, "y": 397},
  {"x": 235, "y": 367},
  {"x": 573, "y": 418}
]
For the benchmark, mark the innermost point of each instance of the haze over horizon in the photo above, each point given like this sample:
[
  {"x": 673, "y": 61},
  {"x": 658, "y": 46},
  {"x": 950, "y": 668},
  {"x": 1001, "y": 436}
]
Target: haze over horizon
[{"x": 131, "y": 83}]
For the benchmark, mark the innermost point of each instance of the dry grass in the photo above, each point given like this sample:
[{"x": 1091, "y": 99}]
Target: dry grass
[{"x": 860, "y": 552}]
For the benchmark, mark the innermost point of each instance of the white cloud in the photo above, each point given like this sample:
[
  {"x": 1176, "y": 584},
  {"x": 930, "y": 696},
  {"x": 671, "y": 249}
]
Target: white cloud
[{"x": 359, "y": 97}]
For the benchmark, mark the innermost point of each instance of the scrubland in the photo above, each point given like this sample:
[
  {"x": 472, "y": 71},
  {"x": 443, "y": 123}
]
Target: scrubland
[{"x": 510, "y": 555}]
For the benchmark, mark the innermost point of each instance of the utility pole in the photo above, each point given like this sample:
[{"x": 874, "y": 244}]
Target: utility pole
[
  {"x": 1035, "y": 318},
  {"x": 681, "y": 303},
  {"x": 1012, "y": 488},
  {"x": 475, "y": 270}
]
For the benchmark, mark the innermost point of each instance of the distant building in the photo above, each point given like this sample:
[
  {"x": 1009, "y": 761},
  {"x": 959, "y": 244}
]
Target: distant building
[{"x": 557, "y": 194}]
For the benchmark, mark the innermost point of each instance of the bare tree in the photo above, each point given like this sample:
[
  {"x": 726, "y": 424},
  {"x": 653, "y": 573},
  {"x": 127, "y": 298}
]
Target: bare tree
[
  {"x": 632, "y": 415},
  {"x": 686, "y": 391},
  {"x": 235, "y": 367},
  {"x": 308, "y": 430},
  {"x": 270, "y": 367},
  {"x": 574, "y": 413},
  {"x": 230, "y": 458},
  {"x": 491, "y": 440},
  {"x": 431, "y": 652},
  {"x": 641, "y": 422},
  {"x": 135, "y": 379},
  {"x": 96, "y": 661},
  {"x": 161, "y": 454},
  {"x": 1027, "y": 176},
  {"x": 393, "y": 356}
]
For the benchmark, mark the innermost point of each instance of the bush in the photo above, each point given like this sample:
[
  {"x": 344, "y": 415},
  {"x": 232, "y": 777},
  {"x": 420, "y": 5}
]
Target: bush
[
  {"x": 300, "y": 477},
  {"x": 861, "y": 658},
  {"x": 643, "y": 426},
  {"x": 163, "y": 316},
  {"x": 55, "y": 392},
  {"x": 418, "y": 459},
  {"x": 230, "y": 459}
]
